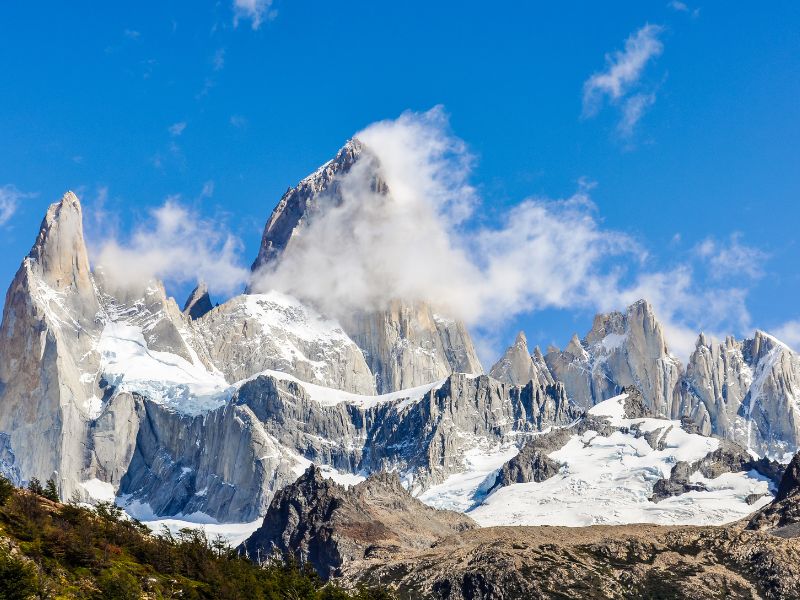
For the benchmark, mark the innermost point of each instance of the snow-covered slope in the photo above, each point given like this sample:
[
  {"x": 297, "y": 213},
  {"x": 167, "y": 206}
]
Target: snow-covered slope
[
  {"x": 609, "y": 479},
  {"x": 255, "y": 332}
]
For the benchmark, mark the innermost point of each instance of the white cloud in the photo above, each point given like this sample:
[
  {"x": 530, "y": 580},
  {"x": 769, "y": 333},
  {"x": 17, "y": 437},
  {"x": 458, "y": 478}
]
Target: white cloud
[
  {"x": 9, "y": 201},
  {"x": 238, "y": 121},
  {"x": 789, "y": 333},
  {"x": 218, "y": 60},
  {"x": 732, "y": 259},
  {"x": 208, "y": 190},
  {"x": 176, "y": 129},
  {"x": 256, "y": 11},
  {"x": 175, "y": 246},
  {"x": 678, "y": 6},
  {"x": 622, "y": 74},
  {"x": 633, "y": 109},
  {"x": 366, "y": 248}
]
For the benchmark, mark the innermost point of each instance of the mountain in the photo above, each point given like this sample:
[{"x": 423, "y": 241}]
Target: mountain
[
  {"x": 206, "y": 413},
  {"x": 113, "y": 391},
  {"x": 48, "y": 338},
  {"x": 518, "y": 366},
  {"x": 746, "y": 391},
  {"x": 621, "y": 349},
  {"x": 406, "y": 343}
]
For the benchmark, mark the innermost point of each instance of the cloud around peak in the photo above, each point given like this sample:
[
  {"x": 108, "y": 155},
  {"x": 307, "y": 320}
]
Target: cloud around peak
[
  {"x": 427, "y": 240},
  {"x": 177, "y": 246}
]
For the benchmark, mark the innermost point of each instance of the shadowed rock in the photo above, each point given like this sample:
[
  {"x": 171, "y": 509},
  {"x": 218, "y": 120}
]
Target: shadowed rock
[
  {"x": 198, "y": 303},
  {"x": 327, "y": 525}
]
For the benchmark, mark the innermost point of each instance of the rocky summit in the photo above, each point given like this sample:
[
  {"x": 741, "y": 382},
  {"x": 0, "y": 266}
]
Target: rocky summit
[{"x": 372, "y": 444}]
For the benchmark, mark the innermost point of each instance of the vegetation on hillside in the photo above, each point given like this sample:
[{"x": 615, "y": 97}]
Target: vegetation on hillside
[{"x": 64, "y": 551}]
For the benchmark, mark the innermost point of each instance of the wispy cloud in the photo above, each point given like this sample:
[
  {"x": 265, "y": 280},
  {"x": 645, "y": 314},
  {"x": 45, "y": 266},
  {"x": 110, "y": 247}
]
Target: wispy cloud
[
  {"x": 175, "y": 245},
  {"x": 238, "y": 121},
  {"x": 789, "y": 333},
  {"x": 623, "y": 72},
  {"x": 132, "y": 34},
  {"x": 218, "y": 60},
  {"x": 732, "y": 258},
  {"x": 679, "y": 6},
  {"x": 208, "y": 190},
  {"x": 176, "y": 129},
  {"x": 255, "y": 11},
  {"x": 633, "y": 108},
  {"x": 10, "y": 197}
]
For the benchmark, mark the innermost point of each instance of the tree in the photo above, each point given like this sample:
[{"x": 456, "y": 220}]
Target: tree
[
  {"x": 50, "y": 491},
  {"x": 6, "y": 489},
  {"x": 35, "y": 486}
]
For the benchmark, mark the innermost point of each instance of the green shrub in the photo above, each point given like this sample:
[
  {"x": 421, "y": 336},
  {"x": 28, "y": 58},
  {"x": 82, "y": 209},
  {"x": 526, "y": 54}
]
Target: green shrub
[
  {"x": 118, "y": 585},
  {"x": 17, "y": 578}
]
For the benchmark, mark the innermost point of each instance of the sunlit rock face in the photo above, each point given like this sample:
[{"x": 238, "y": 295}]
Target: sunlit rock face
[{"x": 621, "y": 349}]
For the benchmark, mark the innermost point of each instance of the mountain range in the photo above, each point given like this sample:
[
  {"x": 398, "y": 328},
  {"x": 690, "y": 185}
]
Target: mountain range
[{"x": 204, "y": 414}]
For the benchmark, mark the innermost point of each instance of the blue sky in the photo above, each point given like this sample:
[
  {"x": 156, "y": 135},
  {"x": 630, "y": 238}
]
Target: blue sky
[{"x": 219, "y": 108}]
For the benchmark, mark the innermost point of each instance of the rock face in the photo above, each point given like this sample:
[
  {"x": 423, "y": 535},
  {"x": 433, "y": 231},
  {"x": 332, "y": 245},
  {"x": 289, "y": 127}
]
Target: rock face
[
  {"x": 518, "y": 366},
  {"x": 782, "y": 515},
  {"x": 198, "y": 303},
  {"x": 746, "y": 391},
  {"x": 46, "y": 348},
  {"x": 301, "y": 202},
  {"x": 408, "y": 345},
  {"x": 405, "y": 344},
  {"x": 634, "y": 561},
  {"x": 257, "y": 332},
  {"x": 185, "y": 463},
  {"x": 620, "y": 350},
  {"x": 327, "y": 525}
]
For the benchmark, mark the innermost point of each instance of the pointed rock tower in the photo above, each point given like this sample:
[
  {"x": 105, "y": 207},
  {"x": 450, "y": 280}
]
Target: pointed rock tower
[
  {"x": 47, "y": 357},
  {"x": 198, "y": 303},
  {"x": 518, "y": 367}
]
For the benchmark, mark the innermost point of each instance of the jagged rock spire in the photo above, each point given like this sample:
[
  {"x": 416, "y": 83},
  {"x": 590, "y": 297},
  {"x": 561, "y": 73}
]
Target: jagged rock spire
[
  {"x": 300, "y": 201},
  {"x": 518, "y": 366},
  {"x": 59, "y": 254},
  {"x": 199, "y": 302}
]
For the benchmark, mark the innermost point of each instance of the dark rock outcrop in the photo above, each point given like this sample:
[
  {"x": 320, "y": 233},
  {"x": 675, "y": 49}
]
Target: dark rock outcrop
[
  {"x": 782, "y": 515},
  {"x": 729, "y": 457},
  {"x": 327, "y": 525},
  {"x": 198, "y": 303},
  {"x": 533, "y": 463}
]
